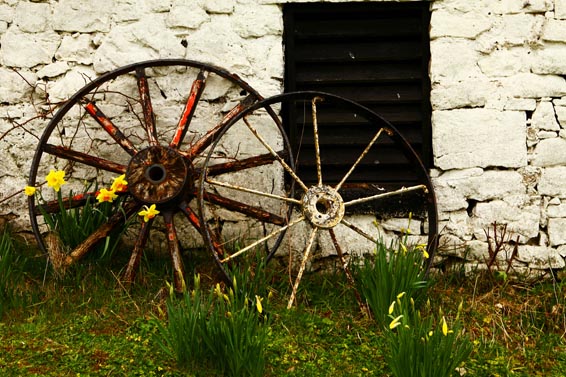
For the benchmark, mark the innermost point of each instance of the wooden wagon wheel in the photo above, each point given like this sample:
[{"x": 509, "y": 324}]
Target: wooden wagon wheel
[
  {"x": 335, "y": 207},
  {"x": 151, "y": 122}
]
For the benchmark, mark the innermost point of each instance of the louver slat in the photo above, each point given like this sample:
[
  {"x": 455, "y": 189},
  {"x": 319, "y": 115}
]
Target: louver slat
[{"x": 374, "y": 53}]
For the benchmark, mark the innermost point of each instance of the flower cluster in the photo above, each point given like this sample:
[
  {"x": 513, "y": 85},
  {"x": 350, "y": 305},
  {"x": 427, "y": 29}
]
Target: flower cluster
[
  {"x": 118, "y": 186},
  {"x": 148, "y": 213},
  {"x": 55, "y": 179}
]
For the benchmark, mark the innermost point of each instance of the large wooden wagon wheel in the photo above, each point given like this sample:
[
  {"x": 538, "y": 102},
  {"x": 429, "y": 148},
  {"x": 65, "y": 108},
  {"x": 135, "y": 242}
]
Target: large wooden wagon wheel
[
  {"x": 335, "y": 210},
  {"x": 151, "y": 121}
]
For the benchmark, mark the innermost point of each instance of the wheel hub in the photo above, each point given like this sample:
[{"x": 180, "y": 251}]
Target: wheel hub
[
  {"x": 157, "y": 175},
  {"x": 323, "y": 206}
]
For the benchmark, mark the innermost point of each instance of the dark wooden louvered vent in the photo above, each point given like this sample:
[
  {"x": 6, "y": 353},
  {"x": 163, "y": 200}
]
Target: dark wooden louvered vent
[{"x": 376, "y": 54}]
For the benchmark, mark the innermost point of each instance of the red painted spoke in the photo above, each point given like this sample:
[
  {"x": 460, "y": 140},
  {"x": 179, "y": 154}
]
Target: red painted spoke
[
  {"x": 200, "y": 145},
  {"x": 247, "y": 163},
  {"x": 109, "y": 127},
  {"x": 251, "y": 211},
  {"x": 194, "y": 220},
  {"x": 145, "y": 99},
  {"x": 84, "y": 158},
  {"x": 189, "y": 110},
  {"x": 175, "y": 252},
  {"x": 135, "y": 258}
]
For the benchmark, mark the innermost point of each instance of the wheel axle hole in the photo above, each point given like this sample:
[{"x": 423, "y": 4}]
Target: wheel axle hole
[
  {"x": 323, "y": 206},
  {"x": 156, "y": 173}
]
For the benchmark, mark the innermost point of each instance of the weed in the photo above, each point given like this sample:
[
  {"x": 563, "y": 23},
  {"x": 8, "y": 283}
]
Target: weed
[{"x": 11, "y": 273}]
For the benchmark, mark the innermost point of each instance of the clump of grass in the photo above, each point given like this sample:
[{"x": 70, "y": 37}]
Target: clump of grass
[
  {"x": 11, "y": 273},
  {"x": 218, "y": 332},
  {"x": 424, "y": 346},
  {"x": 388, "y": 272}
]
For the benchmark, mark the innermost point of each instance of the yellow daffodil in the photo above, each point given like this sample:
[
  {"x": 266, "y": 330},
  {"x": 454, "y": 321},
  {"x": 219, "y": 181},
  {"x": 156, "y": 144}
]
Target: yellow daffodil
[
  {"x": 258, "y": 304},
  {"x": 29, "y": 190},
  {"x": 148, "y": 212},
  {"x": 396, "y": 322},
  {"x": 55, "y": 179},
  {"x": 400, "y": 295},
  {"x": 391, "y": 307},
  {"x": 120, "y": 184},
  {"x": 445, "y": 330},
  {"x": 106, "y": 195}
]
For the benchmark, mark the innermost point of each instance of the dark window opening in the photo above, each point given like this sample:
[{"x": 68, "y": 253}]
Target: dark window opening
[{"x": 376, "y": 54}]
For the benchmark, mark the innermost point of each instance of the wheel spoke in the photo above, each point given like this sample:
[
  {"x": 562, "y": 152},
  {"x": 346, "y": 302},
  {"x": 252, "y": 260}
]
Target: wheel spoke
[
  {"x": 246, "y": 163},
  {"x": 270, "y": 235},
  {"x": 362, "y": 155},
  {"x": 175, "y": 252},
  {"x": 287, "y": 168},
  {"x": 316, "y": 142},
  {"x": 145, "y": 99},
  {"x": 358, "y": 230},
  {"x": 84, "y": 158},
  {"x": 254, "y": 212},
  {"x": 347, "y": 272},
  {"x": 252, "y": 191},
  {"x": 115, "y": 220},
  {"x": 200, "y": 145},
  {"x": 135, "y": 258},
  {"x": 109, "y": 127},
  {"x": 302, "y": 267},
  {"x": 54, "y": 206},
  {"x": 196, "y": 90},
  {"x": 402, "y": 190}
]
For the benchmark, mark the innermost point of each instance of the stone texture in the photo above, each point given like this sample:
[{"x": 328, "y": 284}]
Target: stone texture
[
  {"x": 549, "y": 61},
  {"x": 32, "y": 17},
  {"x": 218, "y": 6},
  {"x": 76, "y": 48},
  {"x": 544, "y": 117},
  {"x": 529, "y": 85},
  {"x": 554, "y": 30},
  {"x": 540, "y": 257},
  {"x": 82, "y": 15},
  {"x": 553, "y": 181},
  {"x": 556, "y": 210},
  {"x": 53, "y": 70},
  {"x": 550, "y": 152},
  {"x": 258, "y": 20},
  {"x": 467, "y": 138},
  {"x": 28, "y": 50},
  {"x": 449, "y": 23},
  {"x": 186, "y": 15},
  {"x": 557, "y": 231},
  {"x": 461, "y": 94},
  {"x": 560, "y": 9},
  {"x": 453, "y": 60},
  {"x": 505, "y": 62},
  {"x": 522, "y": 221},
  {"x": 14, "y": 88}
]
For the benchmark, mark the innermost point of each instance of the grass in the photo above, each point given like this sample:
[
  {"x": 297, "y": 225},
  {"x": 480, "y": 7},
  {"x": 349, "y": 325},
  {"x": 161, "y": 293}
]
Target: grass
[{"x": 87, "y": 324}]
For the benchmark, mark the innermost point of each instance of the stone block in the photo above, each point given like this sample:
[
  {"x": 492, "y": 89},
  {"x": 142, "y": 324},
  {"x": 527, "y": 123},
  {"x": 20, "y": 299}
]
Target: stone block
[
  {"x": 530, "y": 85},
  {"x": 14, "y": 87},
  {"x": 550, "y": 152},
  {"x": 187, "y": 15},
  {"x": 32, "y": 17},
  {"x": 550, "y": 60},
  {"x": 74, "y": 80},
  {"x": 252, "y": 20},
  {"x": 218, "y": 6},
  {"x": 82, "y": 16},
  {"x": 556, "y": 211},
  {"x": 492, "y": 184},
  {"x": 466, "y": 138},
  {"x": 453, "y": 60},
  {"x": 561, "y": 115},
  {"x": 447, "y": 23},
  {"x": 454, "y": 95},
  {"x": 530, "y": 6},
  {"x": 505, "y": 62},
  {"x": 28, "y": 50},
  {"x": 6, "y": 13},
  {"x": 76, "y": 48},
  {"x": 553, "y": 181},
  {"x": 557, "y": 231},
  {"x": 554, "y": 30},
  {"x": 560, "y": 9},
  {"x": 522, "y": 221},
  {"x": 540, "y": 257},
  {"x": 544, "y": 117},
  {"x": 526, "y": 104},
  {"x": 53, "y": 70}
]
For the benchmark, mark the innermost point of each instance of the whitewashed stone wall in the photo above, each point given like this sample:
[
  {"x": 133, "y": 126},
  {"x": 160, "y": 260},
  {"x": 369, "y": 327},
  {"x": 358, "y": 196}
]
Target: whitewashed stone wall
[{"x": 498, "y": 73}]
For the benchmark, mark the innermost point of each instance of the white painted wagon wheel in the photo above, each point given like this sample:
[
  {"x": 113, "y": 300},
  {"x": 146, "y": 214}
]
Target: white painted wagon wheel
[
  {"x": 322, "y": 213},
  {"x": 152, "y": 122}
]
